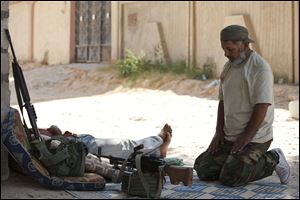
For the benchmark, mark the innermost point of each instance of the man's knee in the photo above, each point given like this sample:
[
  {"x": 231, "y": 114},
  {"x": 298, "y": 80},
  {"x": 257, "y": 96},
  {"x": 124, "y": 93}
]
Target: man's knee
[
  {"x": 234, "y": 173},
  {"x": 205, "y": 167},
  {"x": 206, "y": 174}
]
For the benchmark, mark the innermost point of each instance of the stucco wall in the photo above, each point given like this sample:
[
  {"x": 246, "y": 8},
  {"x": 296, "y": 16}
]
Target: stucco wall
[
  {"x": 270, "y": 22},
  {"x": 172, "y": 27},
  {"x": 41, "y": 31},
  {"x": 192, "y": 29},
  {"x": 20, "y": 28},
  {"x": 52, "y": 32}
]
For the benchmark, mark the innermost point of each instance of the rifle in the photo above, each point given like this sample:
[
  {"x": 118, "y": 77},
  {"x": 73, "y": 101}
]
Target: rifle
[
  {"x": 23, "y": 95},
  {"x": 56, "y": 163},
  {"x": 151, "y": 164}
]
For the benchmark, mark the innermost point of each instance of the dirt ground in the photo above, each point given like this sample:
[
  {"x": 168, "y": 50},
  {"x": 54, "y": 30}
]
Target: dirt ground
[{"x": 90, "y": 98}]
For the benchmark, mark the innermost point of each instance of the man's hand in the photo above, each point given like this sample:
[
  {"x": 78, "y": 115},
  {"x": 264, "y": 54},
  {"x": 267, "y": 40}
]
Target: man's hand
[
  {"x": 257, "y": 117},
  {"x": 214, "y": 144},
  {"x": 240, "y": 143}
]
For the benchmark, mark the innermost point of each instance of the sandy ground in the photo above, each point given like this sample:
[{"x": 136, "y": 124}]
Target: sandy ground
[{"x": 92, "y": 99}]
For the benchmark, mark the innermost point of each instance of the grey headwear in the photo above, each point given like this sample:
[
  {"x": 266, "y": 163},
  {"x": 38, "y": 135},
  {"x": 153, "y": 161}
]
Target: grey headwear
[{"x": 235, "y": 33}]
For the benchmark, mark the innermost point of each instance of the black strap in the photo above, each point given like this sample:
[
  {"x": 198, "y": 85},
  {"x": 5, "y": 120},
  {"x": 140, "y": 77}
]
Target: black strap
[{"x": 19, "y": 96}]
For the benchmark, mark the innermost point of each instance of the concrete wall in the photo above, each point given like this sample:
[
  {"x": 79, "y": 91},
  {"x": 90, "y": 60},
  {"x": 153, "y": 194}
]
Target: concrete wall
[
  {"x": 271, "y": 24},
  {"x": 191, "y": 30},
  {"x": 20, "y": 28},
  {"x": 186, "y": 30},
  {"x": 41, "y": 31},
  {"x": 52, "y": 32},
  {"x": 5, "y": 92},
  {"x": 149, "y": 24}
]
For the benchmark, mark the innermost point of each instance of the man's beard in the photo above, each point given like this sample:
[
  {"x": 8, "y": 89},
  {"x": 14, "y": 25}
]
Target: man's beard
[{"x": 240, "y": 59}]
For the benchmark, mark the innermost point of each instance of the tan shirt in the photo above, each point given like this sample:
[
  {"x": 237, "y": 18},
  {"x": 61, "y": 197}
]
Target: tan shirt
[{"x": 242, "y": 86}]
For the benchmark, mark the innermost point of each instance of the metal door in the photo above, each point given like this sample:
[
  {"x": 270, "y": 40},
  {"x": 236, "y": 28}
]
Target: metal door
[{"x": 93, "y": 31}]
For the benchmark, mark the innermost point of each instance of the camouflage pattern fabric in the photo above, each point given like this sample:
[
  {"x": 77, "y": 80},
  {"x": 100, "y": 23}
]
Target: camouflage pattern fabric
[
  {"x": 92, "y": 163},
  {"x": 19, "y": 132},
  {"x": 95, "y": 165},
  {"x": 252, "y": 163},
  {"x": 15, "y": 140},
  {"x": 87, "y": 177}
]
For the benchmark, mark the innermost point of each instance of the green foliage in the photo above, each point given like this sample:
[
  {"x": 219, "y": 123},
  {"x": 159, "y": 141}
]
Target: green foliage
[
  {"x": 132, "y": 66},
  {"x": 208, "y": 71},
  {"x": 194, "y": 73},
  {"x": 179, "y": 68},
  {"x": 175, "y": 68}
]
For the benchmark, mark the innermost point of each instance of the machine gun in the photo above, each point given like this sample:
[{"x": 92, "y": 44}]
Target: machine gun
[
  {"x": 23, "y": 95},
  {"x": 151, "y": 164}
]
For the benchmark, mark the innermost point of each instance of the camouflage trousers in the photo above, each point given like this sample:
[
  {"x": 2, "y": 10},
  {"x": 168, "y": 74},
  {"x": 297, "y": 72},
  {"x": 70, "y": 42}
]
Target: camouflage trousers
[
  {"x": 254, "y": 162},
  {"x": 95, "y": 165}
]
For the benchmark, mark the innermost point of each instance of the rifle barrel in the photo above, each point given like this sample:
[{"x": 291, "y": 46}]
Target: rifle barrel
[{"x": 11, "y": 46}]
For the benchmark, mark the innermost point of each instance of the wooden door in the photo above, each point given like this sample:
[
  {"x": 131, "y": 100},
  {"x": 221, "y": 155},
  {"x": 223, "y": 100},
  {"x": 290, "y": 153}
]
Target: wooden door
[{"x": 93, "y": 31}]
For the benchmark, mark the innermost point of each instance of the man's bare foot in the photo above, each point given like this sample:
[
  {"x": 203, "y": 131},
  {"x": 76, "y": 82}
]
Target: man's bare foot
[
  {"x": 166, "y": 129},
  {"x": 69, "y": 134},
  {"x": 166, "y": 135}
]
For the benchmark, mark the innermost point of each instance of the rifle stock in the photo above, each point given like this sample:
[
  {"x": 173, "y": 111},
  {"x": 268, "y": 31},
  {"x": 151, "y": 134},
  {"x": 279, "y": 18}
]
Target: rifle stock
[{"x": 21, "y": 88}]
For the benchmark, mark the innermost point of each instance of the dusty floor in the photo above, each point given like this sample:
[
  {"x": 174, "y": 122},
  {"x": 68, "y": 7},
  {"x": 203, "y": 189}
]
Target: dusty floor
[{"x": 92, "y": 99}]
